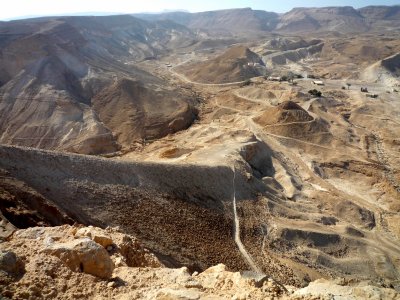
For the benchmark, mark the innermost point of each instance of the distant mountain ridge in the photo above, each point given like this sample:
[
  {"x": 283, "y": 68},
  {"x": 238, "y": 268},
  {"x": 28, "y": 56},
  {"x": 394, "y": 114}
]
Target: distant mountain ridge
[
  {"x": 381, "y": 12},
  {"x": 240, "y": 20},
  {"x": 341, "y": 19}
]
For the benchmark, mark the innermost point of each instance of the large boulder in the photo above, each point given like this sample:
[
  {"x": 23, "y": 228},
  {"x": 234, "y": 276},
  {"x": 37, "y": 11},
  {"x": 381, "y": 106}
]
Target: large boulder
[
  {"x": 126, "y": 250},
  {"x": 83, "y": 255}
]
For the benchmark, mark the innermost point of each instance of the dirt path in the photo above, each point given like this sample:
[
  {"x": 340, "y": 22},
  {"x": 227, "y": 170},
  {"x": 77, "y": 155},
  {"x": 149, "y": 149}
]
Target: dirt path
[
  {"x": 251, "y": 100},
  {"x": 236, "y": 232},
  {"x": 227, "y": 107},
  {"x": 253, "y": 128},
  {"x": 290, "y": 123}
]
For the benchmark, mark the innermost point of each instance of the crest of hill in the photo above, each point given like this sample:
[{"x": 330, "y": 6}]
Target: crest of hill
[
  {"x": 381, "y": 12},
  {"x": 286, "y": 112},
  {"x": 392, "y": 64},
  {"x": 386, "y": 70},
  {"x": 231, "y": 66},
  {"x": 341, "y": 19}
]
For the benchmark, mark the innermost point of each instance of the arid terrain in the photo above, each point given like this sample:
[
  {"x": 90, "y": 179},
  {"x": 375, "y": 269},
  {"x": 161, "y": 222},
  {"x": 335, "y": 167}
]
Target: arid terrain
[{"x": 235, "y": 154}]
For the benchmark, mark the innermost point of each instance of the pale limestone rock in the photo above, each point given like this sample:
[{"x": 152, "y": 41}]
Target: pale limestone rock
[
  {"x": 96, "y": 234},
  {"x": 30, "y": 233},
  {"x": 218, "y": 277},
  {"x": 181, "y": 294},
  {"x": 119, "y": 261},
  {"x": 83, "y": 255},
  {"x": 322, "y": 288}
]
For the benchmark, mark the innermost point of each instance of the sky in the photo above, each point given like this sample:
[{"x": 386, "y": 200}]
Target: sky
[{"x": 13, "y": 9}]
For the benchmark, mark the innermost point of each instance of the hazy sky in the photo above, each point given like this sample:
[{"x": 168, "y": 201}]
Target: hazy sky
[{"x": 17, "y": 8}]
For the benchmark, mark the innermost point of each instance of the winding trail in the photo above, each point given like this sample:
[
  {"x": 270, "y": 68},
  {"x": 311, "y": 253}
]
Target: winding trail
[
  {"x": 227, "y": 107},
  {"x": 240, "y": 245},
  {"x": 236, "y": 232},
  {"x": 290, "y": 123},
  {"x": 253, "y": 128},
  {"x": 263, "y": 102}
]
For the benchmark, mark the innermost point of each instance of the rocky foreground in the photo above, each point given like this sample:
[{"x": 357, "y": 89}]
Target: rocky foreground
[{"x": 76, "y": 262}]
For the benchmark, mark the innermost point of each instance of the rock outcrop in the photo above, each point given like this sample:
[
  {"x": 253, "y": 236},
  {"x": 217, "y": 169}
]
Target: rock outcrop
[
  {"x": 83, "y": 255},
  {"x": 61, "y": 264}
]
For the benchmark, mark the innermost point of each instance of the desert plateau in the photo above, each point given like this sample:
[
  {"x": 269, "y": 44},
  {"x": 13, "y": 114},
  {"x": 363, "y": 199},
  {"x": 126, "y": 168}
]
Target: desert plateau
[{"x": 229, "y": 154}]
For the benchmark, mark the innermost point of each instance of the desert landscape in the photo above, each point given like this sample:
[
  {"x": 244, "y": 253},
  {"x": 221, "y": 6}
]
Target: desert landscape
[{"x": 232, "y": 154}]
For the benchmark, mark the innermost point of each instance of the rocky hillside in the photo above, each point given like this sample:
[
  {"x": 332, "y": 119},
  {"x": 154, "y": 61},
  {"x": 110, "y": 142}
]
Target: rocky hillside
[
  {"x": 341, "y": 19},
  {"x": 392, "y": 64},
  {"x": 382, "y": 13},
  {"x": 161, "y": 199},
  {"x": 133, "y": 111},
  {"x": 282, "y": 50},
  {"x": 386, "y": 70},
  {"x": 77, "y": 262},
  {"x": 236, "y": 64},
  {"x": 154, "y": 201},
  {"x": 54, "y": 71},
  {"x": 287, "y": 44}
]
